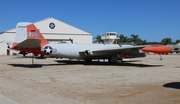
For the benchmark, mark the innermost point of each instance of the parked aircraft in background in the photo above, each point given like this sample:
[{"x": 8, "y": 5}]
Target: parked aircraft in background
[
  {"x": 175, "y": 48},
  {"x": 29, "y": 39}
]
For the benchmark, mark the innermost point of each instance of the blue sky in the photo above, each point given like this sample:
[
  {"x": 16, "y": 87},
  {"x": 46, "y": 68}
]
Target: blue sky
[{"x": 152, "y": 20}]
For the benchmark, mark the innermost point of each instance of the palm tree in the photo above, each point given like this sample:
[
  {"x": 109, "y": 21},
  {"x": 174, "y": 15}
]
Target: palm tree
[
  {"x": 177, "y": 41},
  {"x": 135, "y": 38},
  {"x": 166, "y": 41},
  {"x": 98, "y": 39},
  {"x": 141, "y": 42},
  {"x": 122, "y": 39}
]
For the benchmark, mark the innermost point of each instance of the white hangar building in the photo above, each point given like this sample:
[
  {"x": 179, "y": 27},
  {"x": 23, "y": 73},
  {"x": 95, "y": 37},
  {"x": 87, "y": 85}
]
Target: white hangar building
[{"x": 53, "y": 30}]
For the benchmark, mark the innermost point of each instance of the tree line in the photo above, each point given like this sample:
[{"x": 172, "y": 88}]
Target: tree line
[{"x": 136, "y": 40}]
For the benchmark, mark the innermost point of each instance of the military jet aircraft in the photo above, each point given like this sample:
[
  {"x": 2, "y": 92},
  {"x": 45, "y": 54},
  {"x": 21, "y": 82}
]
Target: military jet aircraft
[{"x": 29, "y": 39}]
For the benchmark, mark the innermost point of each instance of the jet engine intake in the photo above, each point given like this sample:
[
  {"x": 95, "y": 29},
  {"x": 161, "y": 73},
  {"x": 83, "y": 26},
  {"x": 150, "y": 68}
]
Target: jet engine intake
[
  {"x": 9, "y": 46},
  {"x": 88, "y": 52}
]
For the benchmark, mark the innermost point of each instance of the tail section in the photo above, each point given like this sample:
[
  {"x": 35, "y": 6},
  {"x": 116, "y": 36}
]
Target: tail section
[
  {"x": 26, "y": 30},
  {"x": 28, "y": 39},
  {"x": 21, "y": 32},
  {"x": 33, "y": 33}
]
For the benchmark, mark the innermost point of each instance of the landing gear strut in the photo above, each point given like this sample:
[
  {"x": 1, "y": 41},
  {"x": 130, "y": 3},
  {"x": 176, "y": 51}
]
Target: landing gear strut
[
  {"x": 32, "y": 59},
  {"x": 160, "y": 57},
  {"x": 41, "y": 56}
]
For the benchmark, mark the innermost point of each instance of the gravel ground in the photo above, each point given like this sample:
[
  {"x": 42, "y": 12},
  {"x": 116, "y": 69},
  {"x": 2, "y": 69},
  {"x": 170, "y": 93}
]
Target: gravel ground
[{"x": 60, "y": 81}]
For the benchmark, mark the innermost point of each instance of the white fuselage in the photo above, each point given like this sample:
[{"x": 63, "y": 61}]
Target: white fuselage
[{"x": 77, "y": 51}]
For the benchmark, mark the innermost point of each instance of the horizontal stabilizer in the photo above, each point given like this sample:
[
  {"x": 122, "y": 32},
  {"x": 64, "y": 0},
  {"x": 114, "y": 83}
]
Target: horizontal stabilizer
[{"x": 30, "y": 43}]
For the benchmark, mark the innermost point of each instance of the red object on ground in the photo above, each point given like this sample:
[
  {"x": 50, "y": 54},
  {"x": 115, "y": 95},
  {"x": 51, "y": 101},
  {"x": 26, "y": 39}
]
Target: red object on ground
[
  {"x": 157, "y": 49},
  {"x": 8, "y": 52}
]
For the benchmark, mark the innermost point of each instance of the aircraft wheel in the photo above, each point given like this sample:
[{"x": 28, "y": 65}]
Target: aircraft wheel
[
  {"x": 24, "y": 54},
  {"x": 113, "y": 59},
  {"x": 41, "y": 56}
]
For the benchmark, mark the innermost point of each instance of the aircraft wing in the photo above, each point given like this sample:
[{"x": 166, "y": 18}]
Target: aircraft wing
[
  {"x": 117, "y": 48},
  {"x": 29, "y": 43},
  {"x": 110, "y": 50}
]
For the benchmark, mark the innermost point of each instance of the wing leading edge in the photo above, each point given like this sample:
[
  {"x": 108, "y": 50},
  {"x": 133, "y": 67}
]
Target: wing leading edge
[
  {"x": 29, "y": 43},
  {"x": 110, "y": 50}
]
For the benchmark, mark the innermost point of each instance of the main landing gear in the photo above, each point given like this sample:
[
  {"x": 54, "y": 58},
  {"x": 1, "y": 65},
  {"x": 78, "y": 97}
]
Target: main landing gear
[{"x": 113, "y": 59}]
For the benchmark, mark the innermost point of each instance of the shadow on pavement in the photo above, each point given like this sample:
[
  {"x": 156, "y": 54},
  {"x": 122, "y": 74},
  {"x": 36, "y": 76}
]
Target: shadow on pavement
[
  {"x": 71, "y": 62},
  {"x": 27, "y": 65},
  {"x": 74, "y": 62},
  {"x": 175, "y": 85},
  {"x": 35, "y": 57}
]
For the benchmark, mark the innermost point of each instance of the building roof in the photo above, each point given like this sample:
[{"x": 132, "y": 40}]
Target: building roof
[{"x": 54, "y": 26}]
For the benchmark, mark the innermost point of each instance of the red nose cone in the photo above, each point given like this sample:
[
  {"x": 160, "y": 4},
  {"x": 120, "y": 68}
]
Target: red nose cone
[{"x": 157, "y": 49}]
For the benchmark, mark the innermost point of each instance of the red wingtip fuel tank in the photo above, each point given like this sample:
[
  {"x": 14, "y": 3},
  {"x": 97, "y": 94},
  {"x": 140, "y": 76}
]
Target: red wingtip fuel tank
[{"x": 157, "y": 49}]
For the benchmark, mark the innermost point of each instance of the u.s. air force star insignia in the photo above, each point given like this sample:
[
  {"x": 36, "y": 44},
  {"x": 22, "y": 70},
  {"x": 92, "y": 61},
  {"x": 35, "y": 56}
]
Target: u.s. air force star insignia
[{"x": 47, "y": 49}]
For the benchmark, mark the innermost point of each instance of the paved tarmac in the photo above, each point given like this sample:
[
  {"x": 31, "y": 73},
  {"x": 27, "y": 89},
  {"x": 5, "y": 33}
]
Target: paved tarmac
[
  {"x": 6, "y": 100},
  {"x": 60, "y": 81}
]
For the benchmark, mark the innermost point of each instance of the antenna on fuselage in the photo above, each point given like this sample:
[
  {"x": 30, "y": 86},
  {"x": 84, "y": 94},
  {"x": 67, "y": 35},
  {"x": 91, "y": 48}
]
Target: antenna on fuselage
[{"x": 71, "y": 40}]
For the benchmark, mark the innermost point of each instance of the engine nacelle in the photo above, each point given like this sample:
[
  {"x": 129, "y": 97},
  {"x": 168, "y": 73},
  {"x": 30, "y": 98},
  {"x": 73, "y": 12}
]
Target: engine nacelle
[
  {"x": 9, "y": 46},
  {"x": 88, "y": 52}
]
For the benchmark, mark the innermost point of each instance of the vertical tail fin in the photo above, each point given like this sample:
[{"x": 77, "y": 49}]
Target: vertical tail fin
[
  {"x": 33, "y": 32},
  {"x": 26, "y": 30},
  {"x": 21, "y": 32}
]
